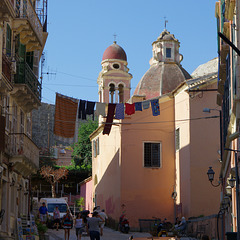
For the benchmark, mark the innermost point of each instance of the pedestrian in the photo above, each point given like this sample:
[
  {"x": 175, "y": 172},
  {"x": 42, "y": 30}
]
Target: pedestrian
[
  {"x": 183, "y": 225},
  {"x": 93, "y": 226},
  {"x": 105, "y": 217},
  {"x": 67, "y": 218},
  {"x": 79, "y": 225},
  {"x": 56, "y": 217},
  {"x": 43, "y": 212}
]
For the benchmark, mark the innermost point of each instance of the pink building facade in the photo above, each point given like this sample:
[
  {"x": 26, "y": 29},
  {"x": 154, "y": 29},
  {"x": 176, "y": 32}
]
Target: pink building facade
[{"x": 155, "y": 166}]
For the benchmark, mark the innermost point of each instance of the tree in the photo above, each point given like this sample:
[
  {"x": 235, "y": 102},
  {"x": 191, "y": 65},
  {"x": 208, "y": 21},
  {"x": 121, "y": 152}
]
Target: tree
[
  {"x": 53, "y": 176},
  {"x": 82, "y": 150}
]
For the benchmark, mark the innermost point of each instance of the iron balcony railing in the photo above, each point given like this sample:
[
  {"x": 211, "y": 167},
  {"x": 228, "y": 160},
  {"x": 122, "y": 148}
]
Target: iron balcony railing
[
  {"x": 26, "y": 76},
  {"x": 24, "y": 9},
  {"x": 19, "y": 144}
]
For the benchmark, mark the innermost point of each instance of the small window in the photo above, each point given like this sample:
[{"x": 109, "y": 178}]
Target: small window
[
  {"x": 94, "y": 148},
  {"x": 168, "y": 52},
  {"x": 152, "y": 155},
  {"x": 177, "y": 139},
  {"x": 116, "y": 66},
  {"x": 97, "y": 146}
]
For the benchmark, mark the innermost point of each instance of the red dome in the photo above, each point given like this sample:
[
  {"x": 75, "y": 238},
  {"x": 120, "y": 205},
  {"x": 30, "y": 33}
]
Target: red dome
[{"x": 114, "y": 52}]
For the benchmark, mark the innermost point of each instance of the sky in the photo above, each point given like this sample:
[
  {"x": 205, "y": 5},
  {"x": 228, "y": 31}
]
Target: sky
[{"x": 81, "y": 30}]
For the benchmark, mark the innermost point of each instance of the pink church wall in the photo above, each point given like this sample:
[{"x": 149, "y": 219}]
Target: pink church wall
[
  {"x": 121, "y": 175},
  {"x": 146, "y": 192}
]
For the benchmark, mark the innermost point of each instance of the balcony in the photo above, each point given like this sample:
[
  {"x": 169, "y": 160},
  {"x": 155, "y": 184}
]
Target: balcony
[
  {"x": 6, "y": 79},
  {"x": 7, "y": 8},
  {"x": 27, "y": 88},
  {"x": 24, "y": 154},
  {"x": 28, "y": 25}
]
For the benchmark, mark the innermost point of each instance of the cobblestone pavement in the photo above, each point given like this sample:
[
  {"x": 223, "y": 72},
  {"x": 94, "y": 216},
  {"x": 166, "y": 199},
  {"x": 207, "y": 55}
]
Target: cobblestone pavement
[{"x": 108, "y": 234}]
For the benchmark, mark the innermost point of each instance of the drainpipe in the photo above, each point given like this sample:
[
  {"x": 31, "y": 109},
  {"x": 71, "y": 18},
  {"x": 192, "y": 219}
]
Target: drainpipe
[
  {"x": 238, "y": 46},
  {"x": 1, "y": 47}
]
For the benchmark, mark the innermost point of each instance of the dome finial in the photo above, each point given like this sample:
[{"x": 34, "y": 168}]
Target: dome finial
[
  {"x": 115, "y": 37},
  {"x": 166, "y": 21}
]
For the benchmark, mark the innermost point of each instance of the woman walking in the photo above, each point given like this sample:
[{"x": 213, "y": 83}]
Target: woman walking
[
  {"x": 80, "y": 226},
  {"x": 67, "y": 224}
]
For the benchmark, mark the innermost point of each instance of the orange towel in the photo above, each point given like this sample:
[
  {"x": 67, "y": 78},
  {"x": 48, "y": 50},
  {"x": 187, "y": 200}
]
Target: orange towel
[{"x": 65, "y": 116}]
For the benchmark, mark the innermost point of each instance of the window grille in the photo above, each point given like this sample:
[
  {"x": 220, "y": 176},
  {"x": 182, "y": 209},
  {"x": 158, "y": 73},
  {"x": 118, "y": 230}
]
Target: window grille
[{"x": 151, "y": 154}]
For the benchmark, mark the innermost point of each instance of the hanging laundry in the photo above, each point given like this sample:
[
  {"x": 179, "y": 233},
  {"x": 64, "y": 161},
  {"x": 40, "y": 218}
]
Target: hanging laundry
[
  {"x": 82, "y": 110},
  {"x": 130, "y": 108},
  {"x": 145, "y": 104},
  {"x": 155, "y": 107},
  {"x": 119, "y": 111},
  {"x": 138, "y": 106},
  {"x": 90, "y": 108},
  {"x": 65, "y": 116},
  {"x": 109, "y": 120},
  {"x": 100, "y": 109}
]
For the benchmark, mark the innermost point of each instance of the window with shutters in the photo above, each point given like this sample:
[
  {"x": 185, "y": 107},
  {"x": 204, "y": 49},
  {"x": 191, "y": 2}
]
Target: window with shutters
[
  {"x": 97, "y": 146},
  {"x": 177, "y": 139},
  {"x": 21, "y": 122},
  {"x": 8, "y": 41},
  {"x": 152, "y": 154},
  {"x": 94, "y": 148},
  {"x": 6, "y": 112}
]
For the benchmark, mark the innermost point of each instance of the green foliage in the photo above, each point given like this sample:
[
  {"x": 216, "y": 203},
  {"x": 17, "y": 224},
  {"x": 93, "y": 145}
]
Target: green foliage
[
  {"x": 42, "y": 228},
  {"x": 82, "y": 150},
  {"x": 80, "y": 203}
]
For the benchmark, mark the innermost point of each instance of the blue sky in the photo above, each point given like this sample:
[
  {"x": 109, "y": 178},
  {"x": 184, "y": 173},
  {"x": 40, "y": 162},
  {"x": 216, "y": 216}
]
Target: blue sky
[{"x": 80, "y": 31}]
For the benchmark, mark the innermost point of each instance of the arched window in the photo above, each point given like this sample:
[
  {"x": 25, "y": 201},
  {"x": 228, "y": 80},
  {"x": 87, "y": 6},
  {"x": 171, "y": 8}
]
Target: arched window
[
  {"x": 120, "y": 93},
  {"x": 112, "y": 93}
]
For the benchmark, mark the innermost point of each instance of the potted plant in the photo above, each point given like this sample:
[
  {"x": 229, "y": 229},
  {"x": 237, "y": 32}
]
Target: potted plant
[{"x": 42, "y": 229}]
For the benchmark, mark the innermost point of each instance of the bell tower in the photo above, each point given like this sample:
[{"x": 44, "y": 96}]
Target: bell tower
[{"x": 114, "y": 80}]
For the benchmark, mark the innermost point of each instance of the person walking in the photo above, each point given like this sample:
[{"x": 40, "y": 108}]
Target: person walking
[
  {"x": 105, "y": 217},
  {"x": 67, "y": 224},
  {"x": 56, "y": 217},
  {"x": 93, "y": 229},
  {"x": 43, "y": 211},
  {"x": 79, "y": 225}
]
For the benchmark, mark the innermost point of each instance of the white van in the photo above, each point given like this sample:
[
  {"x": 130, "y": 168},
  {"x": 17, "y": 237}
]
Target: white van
[{"x": 51, "y": 204}]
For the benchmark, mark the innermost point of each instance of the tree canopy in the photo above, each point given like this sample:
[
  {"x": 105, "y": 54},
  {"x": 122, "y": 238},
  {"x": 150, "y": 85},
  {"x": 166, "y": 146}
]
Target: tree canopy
[{"x": 82, "y": 150}]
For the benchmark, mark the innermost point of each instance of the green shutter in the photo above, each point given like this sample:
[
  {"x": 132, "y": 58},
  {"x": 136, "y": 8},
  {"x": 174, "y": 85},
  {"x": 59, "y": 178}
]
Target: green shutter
[{"x": 8, "y": 40}]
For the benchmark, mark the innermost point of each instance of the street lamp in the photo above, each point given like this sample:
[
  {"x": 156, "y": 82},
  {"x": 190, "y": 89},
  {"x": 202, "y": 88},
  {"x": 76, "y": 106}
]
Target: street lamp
[
  {"x": 210, "y": 174},
  {"x": 208, "y": 110}
]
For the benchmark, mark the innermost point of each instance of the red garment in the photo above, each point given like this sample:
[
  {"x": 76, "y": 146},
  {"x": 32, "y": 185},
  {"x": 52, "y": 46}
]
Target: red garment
[
  {"x": 109, "y": 120},
  {"x": 129, "y": 108}
]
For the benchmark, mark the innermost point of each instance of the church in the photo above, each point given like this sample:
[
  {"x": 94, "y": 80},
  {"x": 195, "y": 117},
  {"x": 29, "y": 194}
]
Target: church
[{"x": 154, "y": 165}]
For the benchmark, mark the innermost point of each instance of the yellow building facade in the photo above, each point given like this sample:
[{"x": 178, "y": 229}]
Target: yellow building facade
[{"x": 23, "y": 35}]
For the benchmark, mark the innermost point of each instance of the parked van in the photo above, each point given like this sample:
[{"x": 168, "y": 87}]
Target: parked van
[{"x": 51, "y": 204}]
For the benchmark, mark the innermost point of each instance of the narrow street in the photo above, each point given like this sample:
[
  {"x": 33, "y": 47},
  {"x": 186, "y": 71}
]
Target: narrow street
[{"x": 108, "y": 234}]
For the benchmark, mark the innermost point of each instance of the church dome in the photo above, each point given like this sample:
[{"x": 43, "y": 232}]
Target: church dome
[
  {"x": 160, "y": 79},
  {"x": 165, "y": 72},
  {"x": 114, "y": 51}
]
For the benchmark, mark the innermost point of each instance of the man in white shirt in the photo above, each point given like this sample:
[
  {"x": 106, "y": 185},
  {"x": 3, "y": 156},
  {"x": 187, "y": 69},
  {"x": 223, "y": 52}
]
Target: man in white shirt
[{"x": 105, "y": 217}]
